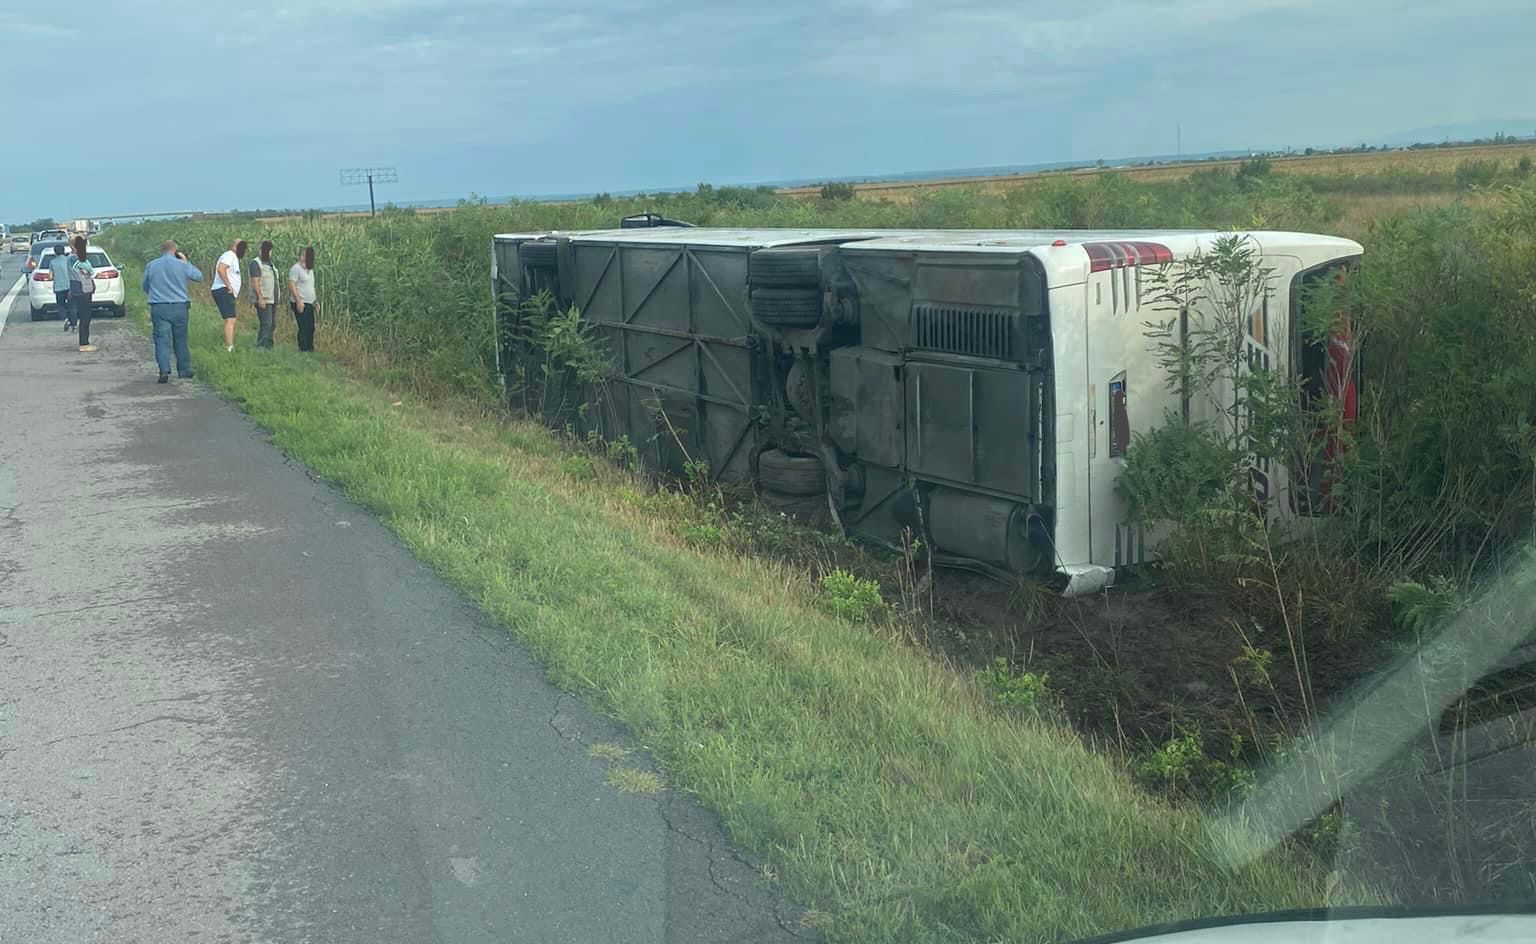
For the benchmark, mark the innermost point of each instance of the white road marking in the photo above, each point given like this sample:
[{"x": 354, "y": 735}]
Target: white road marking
[{"x": 10, "y": 298}]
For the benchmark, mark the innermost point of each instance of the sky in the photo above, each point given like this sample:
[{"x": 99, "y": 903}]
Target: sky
[{"x": 213, "y": 105}]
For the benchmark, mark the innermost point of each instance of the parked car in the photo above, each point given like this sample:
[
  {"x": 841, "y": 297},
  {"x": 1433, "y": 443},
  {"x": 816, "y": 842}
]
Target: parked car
[
  {"x": 38, "y": 248},
  {"x": 40, "y": 285}
]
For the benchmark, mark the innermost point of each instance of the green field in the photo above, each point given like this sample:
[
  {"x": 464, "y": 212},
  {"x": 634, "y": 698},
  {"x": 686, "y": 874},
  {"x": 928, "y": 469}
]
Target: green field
[{"x": 897, "y": 796}]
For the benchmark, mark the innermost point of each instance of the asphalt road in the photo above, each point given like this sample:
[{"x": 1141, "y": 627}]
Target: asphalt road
[{"x": 234, "y": 708}]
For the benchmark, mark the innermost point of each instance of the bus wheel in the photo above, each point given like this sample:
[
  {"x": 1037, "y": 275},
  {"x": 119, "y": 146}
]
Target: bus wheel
[{"x": 778, "y": 471}]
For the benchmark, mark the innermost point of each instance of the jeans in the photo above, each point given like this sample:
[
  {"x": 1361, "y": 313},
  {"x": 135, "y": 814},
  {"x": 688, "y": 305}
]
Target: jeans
[
  {"x": 265, "y": 316},
  {"x": 62, "y": 299},
  {"x": 305, "y": 316},
  {"x": 82, "y": 304},
  {"x": 170, "y": 323}
]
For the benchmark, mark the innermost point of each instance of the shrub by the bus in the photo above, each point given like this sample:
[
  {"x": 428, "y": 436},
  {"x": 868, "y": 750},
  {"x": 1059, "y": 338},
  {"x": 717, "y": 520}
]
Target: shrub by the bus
[{"x": 1193, "y": 472}]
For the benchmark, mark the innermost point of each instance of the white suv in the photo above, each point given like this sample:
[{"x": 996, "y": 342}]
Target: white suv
[{"x": 109, "y": 286}]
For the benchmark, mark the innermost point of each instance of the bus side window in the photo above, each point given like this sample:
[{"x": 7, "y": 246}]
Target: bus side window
[{"x": 1119, "y": 419}]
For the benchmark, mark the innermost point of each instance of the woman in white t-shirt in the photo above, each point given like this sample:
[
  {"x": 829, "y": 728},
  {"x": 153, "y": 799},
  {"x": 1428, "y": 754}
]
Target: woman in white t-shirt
[{"x": 301, "y": 291}]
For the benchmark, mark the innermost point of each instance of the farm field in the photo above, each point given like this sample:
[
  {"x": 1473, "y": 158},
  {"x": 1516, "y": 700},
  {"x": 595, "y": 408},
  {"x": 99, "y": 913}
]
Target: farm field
[
  {"x": 1427, "y": 161},
  {"x": 1172, "y": 695}
]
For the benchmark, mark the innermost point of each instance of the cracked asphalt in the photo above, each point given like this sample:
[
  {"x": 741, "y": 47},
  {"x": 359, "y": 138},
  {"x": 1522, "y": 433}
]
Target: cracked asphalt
[{"x": 233, "y": 708}]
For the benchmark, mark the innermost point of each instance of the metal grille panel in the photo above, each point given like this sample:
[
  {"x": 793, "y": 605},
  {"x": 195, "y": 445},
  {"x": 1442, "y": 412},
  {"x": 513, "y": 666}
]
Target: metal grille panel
[{"x": 978, "y": 332}]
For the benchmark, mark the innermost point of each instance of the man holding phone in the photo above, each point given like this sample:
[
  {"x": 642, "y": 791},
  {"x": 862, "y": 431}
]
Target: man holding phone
[{"x": 165, "y": 282}]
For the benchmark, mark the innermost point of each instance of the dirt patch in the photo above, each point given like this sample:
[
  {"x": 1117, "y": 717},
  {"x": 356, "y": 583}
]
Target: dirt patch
[{"x": 1135, "y": 666}]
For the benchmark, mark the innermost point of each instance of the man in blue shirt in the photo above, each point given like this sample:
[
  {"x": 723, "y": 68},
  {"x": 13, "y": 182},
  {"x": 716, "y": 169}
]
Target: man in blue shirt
[
  {"x": 165, "y": 282},
  {"x": 58, "y": 267}
]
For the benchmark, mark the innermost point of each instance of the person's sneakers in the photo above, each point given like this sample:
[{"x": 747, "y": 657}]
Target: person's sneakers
[
  {"x": 230, "y": 349},
  {"x": 87, "y": 349},
  {"x": 164, "y": 378},
  {"x": 68, "y": 326},
  {"x": 186, "y": 376}
]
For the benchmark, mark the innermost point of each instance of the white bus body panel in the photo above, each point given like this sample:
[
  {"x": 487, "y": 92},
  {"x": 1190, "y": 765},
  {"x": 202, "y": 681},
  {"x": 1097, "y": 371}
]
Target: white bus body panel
[{"x": 1099, "y": 325}]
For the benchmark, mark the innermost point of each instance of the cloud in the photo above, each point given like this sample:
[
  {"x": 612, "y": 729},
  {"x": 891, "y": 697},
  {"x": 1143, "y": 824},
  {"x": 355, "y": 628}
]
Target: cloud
[
  {"x": 28, "y": 28},
  {"x": 258, "y": 105}
]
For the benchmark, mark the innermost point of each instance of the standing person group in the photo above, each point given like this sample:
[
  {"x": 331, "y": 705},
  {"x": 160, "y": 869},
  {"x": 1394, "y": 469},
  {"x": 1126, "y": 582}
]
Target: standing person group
[
  {"x": 263, "y": 274},
  {"x": 165, "y": 283}
]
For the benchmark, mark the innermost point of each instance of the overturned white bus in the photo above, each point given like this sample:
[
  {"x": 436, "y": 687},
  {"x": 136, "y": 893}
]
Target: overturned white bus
[{"x": 977, "y": 388}]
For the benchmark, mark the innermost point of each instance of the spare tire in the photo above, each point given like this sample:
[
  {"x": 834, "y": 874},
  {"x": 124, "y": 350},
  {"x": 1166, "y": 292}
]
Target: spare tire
[
  {"x": 778, "y": 471},
  {"x": 787, "y": 307},
  {"x": 540, "y": 255},
  {"x": 785, "y": 267}
]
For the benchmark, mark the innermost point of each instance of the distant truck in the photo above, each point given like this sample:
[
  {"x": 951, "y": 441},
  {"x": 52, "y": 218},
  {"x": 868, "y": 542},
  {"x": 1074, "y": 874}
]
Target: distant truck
[
  {"x": 81, "y": 227},
  {"x": 978, "y": 389}
]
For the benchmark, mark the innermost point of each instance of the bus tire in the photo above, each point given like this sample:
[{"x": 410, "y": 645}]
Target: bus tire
[
  {"x": 787, "y": 307},
  {"x": 784, "y": 474},
  {"x": 784, "y": 267},
  {"x": 539, "y": 255}
]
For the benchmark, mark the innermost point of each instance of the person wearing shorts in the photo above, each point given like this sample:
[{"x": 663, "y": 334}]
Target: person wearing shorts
[{"x": 226, "y": 288}]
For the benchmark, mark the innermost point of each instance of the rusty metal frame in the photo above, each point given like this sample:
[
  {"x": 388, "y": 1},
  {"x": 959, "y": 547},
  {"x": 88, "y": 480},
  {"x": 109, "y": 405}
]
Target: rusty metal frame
[{"x": 697, "y": 346}]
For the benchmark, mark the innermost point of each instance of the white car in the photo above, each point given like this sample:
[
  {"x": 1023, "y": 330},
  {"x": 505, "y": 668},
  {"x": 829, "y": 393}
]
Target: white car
[{"x": 108, "y": 294}]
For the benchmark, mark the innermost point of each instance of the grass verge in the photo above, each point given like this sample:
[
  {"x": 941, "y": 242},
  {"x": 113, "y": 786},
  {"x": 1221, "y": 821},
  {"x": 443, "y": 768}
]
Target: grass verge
[{"x": 888, "y": 795}]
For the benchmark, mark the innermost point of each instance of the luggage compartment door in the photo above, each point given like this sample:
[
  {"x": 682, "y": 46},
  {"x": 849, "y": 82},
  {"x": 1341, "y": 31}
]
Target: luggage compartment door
[{"x": 974, "y": 425}]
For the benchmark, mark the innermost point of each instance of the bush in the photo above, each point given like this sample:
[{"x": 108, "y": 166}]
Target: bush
[
  {"x": 702, "y": 534},
  {"x": 578, "y": 467},
  {"x": 1254, "y": 167},
  {"x": 1446, "y": 299},
  {"x": 1181, "y": 767},
  {"x": 1027, "y": 690},
  {"x": 1175, "y": 471},
  {"x": 838, "y": 191},
  {"x": 851, "y": 598},
  {"x": 1473, "y": 174},
  {"x": 1420, "y": 608}
]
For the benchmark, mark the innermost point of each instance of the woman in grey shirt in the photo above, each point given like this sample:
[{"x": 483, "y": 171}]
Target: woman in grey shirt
[
  {"x": 301, "y": 289},
  {"x": 264, "y": 293}
]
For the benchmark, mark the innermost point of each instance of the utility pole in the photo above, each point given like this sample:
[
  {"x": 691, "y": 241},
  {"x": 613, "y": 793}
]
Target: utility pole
[
  {"x": 1179, "y": 137},
  {"x": 356, "y": 176}
]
